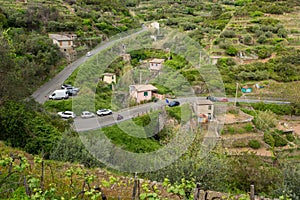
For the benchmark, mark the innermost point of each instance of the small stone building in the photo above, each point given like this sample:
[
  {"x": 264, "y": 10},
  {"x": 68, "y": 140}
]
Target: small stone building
[
  {"x": 204, "y": 109},
  {"x": 109, "y": 78},
  {"x": 156, "y": 64}
]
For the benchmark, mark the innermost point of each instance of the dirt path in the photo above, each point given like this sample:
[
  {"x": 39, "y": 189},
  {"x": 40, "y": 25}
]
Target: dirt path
[
  {"x": 267, "y": 59},
  {"x": 259, "y": 152},
  {"x": 242, "y": 135}
]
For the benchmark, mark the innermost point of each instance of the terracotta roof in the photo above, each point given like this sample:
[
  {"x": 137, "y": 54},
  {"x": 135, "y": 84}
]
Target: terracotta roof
[{"x": 141, "y": 88}]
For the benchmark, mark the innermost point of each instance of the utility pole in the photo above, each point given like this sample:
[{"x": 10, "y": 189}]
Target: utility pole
[
  {"x": 140, "y": 77},
  {"x": 236, "y": 91}
]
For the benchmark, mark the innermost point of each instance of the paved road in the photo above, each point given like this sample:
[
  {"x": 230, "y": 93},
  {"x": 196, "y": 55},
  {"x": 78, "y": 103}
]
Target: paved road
[
  {"x": 129, "y": 113},
  {"x": 41, "y": 94},
  {"x": 98, "y": 122},
  {"x": 257, "y": 100}
]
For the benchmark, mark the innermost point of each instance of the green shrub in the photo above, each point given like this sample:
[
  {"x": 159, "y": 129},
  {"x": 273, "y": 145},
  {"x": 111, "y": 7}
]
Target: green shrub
[
  {"x": 261, "y": 39},
  {"x": 275, "y": 108},
  {"x": 254, "y": 144},
  {"x": 256, "y": 14},
  {"x": 248, "y": 127},
  {"x": 174, "y": 112},
  {"x": 268, "y": 139},
  {"x": 277, "y": 40},
  {"x": 232, "y": 51},
  {"x": 231, "y": 130},
  {"x": 248, "y": 39},
  {"x": 58, "y": 105},
  {"x": 290, "y": 137},
  {"x": 264, "y": 120},
  {"x": 249, "y": 112},
  {"x": 263, "y": 52},
  {"x": 228, "y": 34},
  {"x": 280, "y": 140}
]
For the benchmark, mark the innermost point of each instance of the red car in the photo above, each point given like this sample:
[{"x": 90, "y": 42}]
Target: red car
[{"x": 223, "y": 100}]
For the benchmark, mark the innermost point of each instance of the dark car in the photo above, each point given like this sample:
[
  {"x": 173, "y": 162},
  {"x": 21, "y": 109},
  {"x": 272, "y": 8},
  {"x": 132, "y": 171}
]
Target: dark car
[
  {"x": 173, "y": 103},
  {"x": 71, "y": 92},
  {"x": 211, "y": 98},
  {"x": 120, "y": 117},
  {"x": 64, "y": 86}
]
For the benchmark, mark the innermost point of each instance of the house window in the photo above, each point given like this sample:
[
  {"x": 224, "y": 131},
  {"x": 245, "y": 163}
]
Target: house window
[
  {"x": 209, "y": 107},
  {"x": 145, "y": 94},
  {"x": 60, "y": 43},
  {"x": 69, "y": 43},
  {"x": 112, "y": 77}
]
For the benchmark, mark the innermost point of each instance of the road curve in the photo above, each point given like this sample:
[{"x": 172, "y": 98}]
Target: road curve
[
  {"x": 42, "y": 93},
  {"x": 81, "y": 124}
]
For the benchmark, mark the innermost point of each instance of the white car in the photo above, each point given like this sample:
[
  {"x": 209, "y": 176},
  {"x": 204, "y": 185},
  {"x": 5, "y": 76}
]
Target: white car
[
  {"x": 87, "y": 114},
  {"x": 67, "y": 114},
  {"x": 102, "y": 112},
  {"x": 88, "y": 54}
]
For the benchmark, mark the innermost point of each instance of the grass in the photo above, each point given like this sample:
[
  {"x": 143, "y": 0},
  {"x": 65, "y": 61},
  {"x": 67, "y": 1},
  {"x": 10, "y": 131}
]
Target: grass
[
  {"x": 128, "y": 142},
  {"x": 134, "y": 136},
  {"x": 181, "y": 113}
]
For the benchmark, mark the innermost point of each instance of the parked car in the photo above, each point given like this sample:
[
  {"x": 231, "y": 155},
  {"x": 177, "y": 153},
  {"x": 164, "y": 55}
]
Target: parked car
[
  {"x": 64, "y": 86},
  {"x": 173, "y": 103},
  {"x": 103, "y": 112},
  {"x": 68, "y": 87},
  {"x": 223, "y": 100},
  {"x": 211, "y": 98},
  {"x": 67, "y": 114},
  {"x": 72, "y": 91},
  {"x": 87, "y": 114},
  {"x": 88, "y": 54}
]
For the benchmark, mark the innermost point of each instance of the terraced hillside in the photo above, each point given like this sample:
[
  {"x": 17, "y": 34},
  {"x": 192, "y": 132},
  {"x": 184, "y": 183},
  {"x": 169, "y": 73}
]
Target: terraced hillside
[{"x": 229, "y": 28}]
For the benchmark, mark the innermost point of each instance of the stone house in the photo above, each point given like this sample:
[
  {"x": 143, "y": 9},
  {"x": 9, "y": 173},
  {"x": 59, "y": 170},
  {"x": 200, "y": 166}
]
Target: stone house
[{"x": 156, "y": 64}]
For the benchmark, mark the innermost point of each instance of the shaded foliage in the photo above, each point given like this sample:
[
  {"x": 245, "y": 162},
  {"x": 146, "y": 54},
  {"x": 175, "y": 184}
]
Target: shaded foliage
[{"x": 23, "y": 126}]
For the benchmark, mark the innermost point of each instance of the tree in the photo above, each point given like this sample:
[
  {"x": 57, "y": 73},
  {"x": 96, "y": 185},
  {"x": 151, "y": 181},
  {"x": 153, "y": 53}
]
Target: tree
[
  {"x": 282, "y": 33},
  {"x": 261, "y": 39},
  {"x": 216, "y": 11},
  {"x": 288, "y": 92},
  {"x": 232, "y": 51},
  {"x": 264, "y": 120},
  {"x": 248, "y": 40}
]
